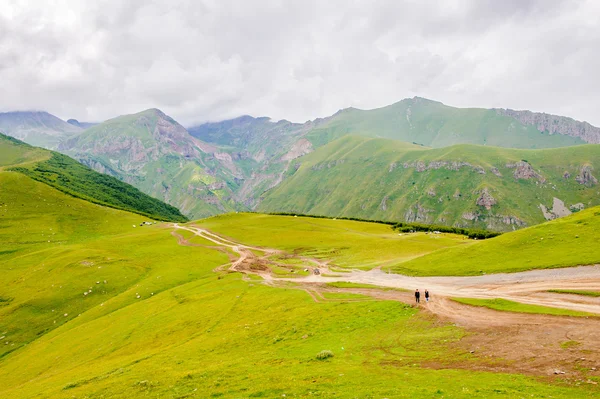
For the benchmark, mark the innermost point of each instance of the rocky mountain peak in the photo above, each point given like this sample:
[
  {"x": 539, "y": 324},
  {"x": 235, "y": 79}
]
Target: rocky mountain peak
[{"x": 554, "y": 124}]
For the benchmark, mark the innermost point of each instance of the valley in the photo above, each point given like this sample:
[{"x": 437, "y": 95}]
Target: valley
[
  {"x": 109, "y": 292},
  {"x": 418, "y": 161},
  {"x": 300, "y": 199}
]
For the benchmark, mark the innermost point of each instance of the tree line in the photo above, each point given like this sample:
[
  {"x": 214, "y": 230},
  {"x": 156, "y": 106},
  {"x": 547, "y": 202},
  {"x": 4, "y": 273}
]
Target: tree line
[{"x": 405, "y": 227}]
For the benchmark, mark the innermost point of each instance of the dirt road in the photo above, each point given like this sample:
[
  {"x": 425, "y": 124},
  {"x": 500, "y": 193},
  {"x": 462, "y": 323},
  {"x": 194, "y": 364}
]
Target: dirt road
[
  {"x": 561, "y": 347},
  {"x": 526, "y": 287}
]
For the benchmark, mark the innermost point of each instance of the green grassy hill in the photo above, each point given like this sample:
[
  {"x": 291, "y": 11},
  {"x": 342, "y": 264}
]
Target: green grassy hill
[
  {"x": 468, "y": 186},
  {"x": 570, "y": 241},
  {"x": 104, "y": 310},
  {"x": 69, "y": 176},
  {"x": 434, "y": 124},
  {"x": 348, "y": 244},
  {"x": 565, "y": 242}
]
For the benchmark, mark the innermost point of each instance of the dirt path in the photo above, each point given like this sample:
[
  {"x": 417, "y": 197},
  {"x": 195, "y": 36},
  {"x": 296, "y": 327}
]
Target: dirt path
[
  {"x": 562, "y": 347},
  {"x": 526, "y": 287}
]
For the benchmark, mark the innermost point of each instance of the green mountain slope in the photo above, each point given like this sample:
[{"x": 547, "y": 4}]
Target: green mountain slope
[
  {"x": 229, "y": 165},
  {"x": 69, "y": 176},
  {"x": 434, "y": 124},
  {"x": 263, "y": 149},
  {"x": 466, "y": 186},
  {"x": 37, "y": 128},
  {"x": 154, "y": 153},
  {"x": 570, "y": 241}
]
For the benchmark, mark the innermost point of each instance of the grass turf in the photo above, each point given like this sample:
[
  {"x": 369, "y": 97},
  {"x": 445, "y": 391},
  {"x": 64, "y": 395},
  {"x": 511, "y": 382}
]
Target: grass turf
[
  {"x": 159, "y": 322},
  {"x": 565, "y": 242},
  {"x": 347, "y": 243},
  {"x": 511, "y": 306},
  {"x": 595, "y": 294},
  {"x": 344, "y": 284}
]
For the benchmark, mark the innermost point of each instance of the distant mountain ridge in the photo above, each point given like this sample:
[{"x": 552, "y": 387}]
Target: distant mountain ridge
[
  {"x": 37, "y": 127},
  {"x": 83, "y": 125},
  {"x": 554, "y": 124},
  {"x": 234, "y": 164},
  {"x": 434, "y": 124},
  {"x": 153, "y": 152}
]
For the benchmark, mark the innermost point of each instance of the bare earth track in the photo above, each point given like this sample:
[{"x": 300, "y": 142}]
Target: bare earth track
[{"x": 558, "y": 346}]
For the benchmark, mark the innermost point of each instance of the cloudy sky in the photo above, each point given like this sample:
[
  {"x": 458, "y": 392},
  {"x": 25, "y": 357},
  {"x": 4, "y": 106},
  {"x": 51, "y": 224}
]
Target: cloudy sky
[{"x": 202, "y": 60}]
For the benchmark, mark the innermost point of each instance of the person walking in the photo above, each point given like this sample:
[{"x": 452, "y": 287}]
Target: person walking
[
  {"x": 426, "y": 296},
  {"x": 417, "y": 296}
]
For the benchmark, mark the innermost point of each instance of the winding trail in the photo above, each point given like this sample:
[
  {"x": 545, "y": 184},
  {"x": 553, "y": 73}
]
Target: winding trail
[
  {"x": 526, "y": 287},
  {"x": 502, "y": 341}
]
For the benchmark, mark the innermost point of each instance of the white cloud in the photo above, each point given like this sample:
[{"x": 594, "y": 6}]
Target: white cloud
[{"x": 209, "y": 60}]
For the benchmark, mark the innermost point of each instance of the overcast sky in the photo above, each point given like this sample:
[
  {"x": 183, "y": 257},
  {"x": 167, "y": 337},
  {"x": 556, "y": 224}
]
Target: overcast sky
[{"x": 298, "y": 60}]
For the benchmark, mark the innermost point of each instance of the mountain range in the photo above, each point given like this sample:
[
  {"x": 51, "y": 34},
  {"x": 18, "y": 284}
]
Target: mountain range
[
  {"x": 415, "y": 160},
  {"x": 100, "y": 300}
]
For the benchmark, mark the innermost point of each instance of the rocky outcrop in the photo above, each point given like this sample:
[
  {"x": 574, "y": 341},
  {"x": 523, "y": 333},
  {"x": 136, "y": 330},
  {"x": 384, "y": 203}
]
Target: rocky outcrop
[
  {"x": 420, "y": 214},
  {"x": 496, "y": 172},
  {"x": 99, "y": 167},
  {"x": 585, "y": 176},
  {"x": 548, "y": 215},
  {"x": 558, "y": 210},
  {"x": 328, "y": 165},
  {"x": 485, "y": 199},
  {"x": 554, "y": 124},
  {"x": 577, "y": 207},
  {"x": 392, "y": 167},
  {"x": 471, "y": 216},
  {"x": 512, "y": 220},
  {"x": 523, "y": 170},
  {"x": 493, "y": 220},
  {"x": 383, "y": 204},
  {"x": 421, "y": 166},
  {"x": 226, "y": 160},
  {"x": 300, "y": 148}
]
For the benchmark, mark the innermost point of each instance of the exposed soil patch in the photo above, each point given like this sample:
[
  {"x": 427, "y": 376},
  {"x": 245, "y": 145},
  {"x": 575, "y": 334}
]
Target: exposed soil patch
[{"x": 550, "y": 346}]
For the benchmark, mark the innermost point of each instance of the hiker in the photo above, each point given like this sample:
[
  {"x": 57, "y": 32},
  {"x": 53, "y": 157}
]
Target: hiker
[
  {"x": 426, "y": 296},
  {"x": 417, "y": 296}
]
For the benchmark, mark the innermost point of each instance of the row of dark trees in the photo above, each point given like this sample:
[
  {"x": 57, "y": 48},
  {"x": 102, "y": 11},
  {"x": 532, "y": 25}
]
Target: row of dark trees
[{"x": 409, "y": 227}]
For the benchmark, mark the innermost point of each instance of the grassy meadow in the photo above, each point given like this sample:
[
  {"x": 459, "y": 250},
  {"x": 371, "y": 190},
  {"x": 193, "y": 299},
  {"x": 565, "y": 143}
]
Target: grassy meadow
[
  {"x": 594, "y": 294},
  {"x": 92, "y": 307},
  {"x": 517, "y": 307},
  {"x": 565, "y": 242},
  {"x": 345, "y": 243}
]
